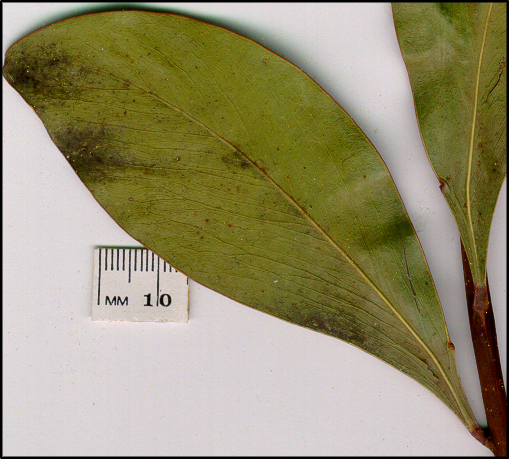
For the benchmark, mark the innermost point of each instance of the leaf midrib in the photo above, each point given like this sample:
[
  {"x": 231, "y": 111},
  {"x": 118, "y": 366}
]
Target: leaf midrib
[
  {"x": 471, "y": 149},
  {"x": 310, "y": 219}
]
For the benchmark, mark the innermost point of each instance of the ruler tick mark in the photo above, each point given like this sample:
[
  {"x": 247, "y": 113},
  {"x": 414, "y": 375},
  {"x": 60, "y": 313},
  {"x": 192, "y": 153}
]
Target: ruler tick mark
[
  {"x": 157, "y": 287},
  {"x": 129, "y": 266},
  {"x": 99, "y": 281}
]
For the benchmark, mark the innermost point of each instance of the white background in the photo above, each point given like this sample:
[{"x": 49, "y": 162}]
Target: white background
[{"x": 232, "y": 380}]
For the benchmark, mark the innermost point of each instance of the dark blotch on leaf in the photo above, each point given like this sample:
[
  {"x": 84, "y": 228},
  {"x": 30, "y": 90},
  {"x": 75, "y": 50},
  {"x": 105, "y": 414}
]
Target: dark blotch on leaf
[
  {"x": 89, "y": 151},
  {"x": 40, "y": 77},
  {"x": 323, "y": 323}
]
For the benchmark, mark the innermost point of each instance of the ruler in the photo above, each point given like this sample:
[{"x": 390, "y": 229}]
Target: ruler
[{"x": 135, "y": 284}]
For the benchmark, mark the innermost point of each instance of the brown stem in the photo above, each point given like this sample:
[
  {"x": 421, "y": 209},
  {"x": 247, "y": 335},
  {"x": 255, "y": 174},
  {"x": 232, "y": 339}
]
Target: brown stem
[{"x": 484, "y": 338}]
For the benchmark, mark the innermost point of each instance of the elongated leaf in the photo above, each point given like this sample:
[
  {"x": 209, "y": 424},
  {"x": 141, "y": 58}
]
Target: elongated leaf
[
  {"x": 456, "y": 58},
  {"x": 237, "y": 168}
]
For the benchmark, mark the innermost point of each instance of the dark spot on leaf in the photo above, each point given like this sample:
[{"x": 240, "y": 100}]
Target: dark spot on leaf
[{"x": 235, "y": 160}]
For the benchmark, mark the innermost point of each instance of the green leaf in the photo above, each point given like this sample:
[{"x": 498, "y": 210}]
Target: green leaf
[
  {"x": 456, "y": 58},
  {"x": 237, "y": 168}
]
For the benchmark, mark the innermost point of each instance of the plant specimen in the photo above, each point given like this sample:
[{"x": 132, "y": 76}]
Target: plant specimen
[{"x": 279, "y": 200}]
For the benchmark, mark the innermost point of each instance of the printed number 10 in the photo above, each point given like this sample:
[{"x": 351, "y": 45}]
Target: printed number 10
[{"x": 164, "y": 300}]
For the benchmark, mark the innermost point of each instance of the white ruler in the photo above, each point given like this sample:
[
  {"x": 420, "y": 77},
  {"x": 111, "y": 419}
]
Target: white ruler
[{"x": 135, "y": 284}]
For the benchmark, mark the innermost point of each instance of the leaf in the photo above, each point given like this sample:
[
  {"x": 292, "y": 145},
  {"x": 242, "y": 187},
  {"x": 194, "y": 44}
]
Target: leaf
[
  {"x": 233, "y": 165},
  {"x": 456, "y": 58},
  {"x": 459, "y": 77}
]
